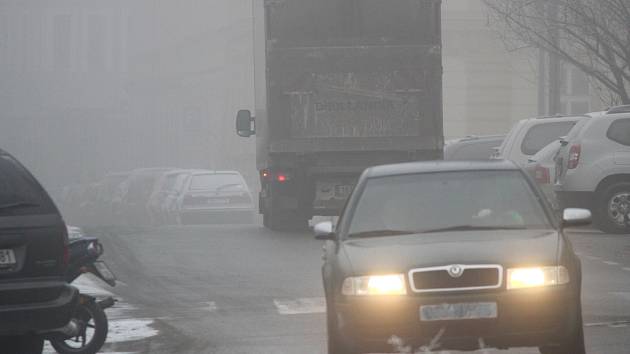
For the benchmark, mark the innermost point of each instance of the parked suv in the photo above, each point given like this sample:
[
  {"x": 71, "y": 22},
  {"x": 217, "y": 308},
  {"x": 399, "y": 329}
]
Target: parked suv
[
  {"x": 593, "y": 169},
  {"x": 34, "y": 297},
  {"x": 529, "y": 136}
]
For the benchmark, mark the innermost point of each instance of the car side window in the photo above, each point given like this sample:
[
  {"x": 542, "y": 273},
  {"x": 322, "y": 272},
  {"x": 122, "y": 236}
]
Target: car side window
[
  {"x": 541, "y": 135},
  {"x": 619, "y": 131}
]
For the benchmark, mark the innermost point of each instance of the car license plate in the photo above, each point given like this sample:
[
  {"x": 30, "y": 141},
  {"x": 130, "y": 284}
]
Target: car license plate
[
  {"x": 464, "y": 311},
  {"x": 7, "y": 258}
]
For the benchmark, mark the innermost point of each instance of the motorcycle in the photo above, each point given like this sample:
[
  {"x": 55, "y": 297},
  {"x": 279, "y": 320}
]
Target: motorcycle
[{"x": 89, "y": 320}]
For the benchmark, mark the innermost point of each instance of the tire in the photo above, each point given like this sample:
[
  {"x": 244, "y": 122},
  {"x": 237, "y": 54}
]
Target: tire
[
  {"x": 90, "y": 310},
  {"x": 25, "y": 344},
  {"x": 335, "y": 343},
  {"x": 609, "y": 204},
  {"x": 573, "y": 345}
]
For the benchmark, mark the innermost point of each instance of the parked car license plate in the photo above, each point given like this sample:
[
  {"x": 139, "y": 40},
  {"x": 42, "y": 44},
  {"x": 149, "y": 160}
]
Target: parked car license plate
[
  {"x": 464, "y": 311},
  {"x": 7, "y": 257}
]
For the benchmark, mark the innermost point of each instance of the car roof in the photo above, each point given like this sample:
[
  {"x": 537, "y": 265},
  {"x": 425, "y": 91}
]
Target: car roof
[
  {"x": 438, "y": 166},
  {"x": 470, "y": 138},
  {"x": 209, "y": 172},
  {"x": 554, "y": 118}
]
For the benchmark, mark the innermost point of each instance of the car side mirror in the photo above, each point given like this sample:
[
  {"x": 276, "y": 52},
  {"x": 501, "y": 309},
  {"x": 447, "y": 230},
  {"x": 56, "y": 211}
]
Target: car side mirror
[
  {"x": 244, "y": 124},
  {"x": 576, "y": 217},
  {"x": 324, "y": 231}
]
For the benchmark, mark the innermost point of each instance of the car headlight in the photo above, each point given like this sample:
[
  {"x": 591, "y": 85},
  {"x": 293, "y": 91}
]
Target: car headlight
[
  {"x": 522, "y": 278},
  {"x": 393, "y": 284}
]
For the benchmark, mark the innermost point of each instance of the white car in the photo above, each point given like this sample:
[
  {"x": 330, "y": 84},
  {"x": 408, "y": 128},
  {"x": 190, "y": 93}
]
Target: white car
[
  {"x": 593, "y": 169},
  {"x": 529, "y": 136}
]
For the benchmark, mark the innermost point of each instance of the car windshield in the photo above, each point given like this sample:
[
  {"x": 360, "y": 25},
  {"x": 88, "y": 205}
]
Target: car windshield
[
  {"x": 216, "y": 181},
  {"x": 430, "y": 202}
]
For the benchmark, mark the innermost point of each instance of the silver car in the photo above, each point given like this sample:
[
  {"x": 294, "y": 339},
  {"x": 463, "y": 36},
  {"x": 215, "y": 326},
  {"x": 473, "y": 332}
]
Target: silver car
[
  {"x": 593, "y": 169},
  {"x": 215, "y": 197}
]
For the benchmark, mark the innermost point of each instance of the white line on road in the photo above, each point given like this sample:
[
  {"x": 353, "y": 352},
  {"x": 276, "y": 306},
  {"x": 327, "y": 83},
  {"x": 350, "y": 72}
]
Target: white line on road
[
  {"x": 593, "y": 258},
  {"x": 611, "y": 263},
  {"x": 210, "y": 306},
  {"x": 626, "y": 269},
  {"x": 623, "y": 295},
  {"x": 301, "y": 306}
]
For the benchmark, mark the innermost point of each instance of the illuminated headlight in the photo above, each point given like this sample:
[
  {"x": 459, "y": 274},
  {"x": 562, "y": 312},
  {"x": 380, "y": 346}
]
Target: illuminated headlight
[
  {"x": 522, "y": 278},
  {"x": 375, "y": 285}
]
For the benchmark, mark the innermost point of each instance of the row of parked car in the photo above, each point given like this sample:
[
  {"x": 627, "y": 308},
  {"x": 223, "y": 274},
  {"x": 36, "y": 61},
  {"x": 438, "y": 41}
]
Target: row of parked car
[
  {"x": 579, "y": 161},
  {"x": 158, "y": 196}
]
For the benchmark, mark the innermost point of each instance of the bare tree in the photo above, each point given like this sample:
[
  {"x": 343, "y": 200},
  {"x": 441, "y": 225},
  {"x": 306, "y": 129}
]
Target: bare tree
[{"x": 592, "y": 35}]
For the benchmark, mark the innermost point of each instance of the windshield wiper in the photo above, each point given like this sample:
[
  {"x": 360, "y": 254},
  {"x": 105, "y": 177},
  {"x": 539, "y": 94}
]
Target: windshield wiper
[
  {"x": 472, "y": 228},
  {"x": 379, "y": 233},
  {"x": 17, "y": 205}
]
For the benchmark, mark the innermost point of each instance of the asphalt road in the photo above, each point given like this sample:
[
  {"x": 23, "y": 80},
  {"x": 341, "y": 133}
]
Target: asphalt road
[{"x": 243, "y": 289}]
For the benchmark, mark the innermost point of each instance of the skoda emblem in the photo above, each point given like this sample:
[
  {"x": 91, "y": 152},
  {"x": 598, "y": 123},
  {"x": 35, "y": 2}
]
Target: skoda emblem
[{"x": 456, "y": 271}]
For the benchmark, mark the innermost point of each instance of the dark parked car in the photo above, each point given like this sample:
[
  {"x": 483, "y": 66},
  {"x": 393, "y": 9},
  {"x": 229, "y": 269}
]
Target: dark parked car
[
  {"x": 451, "y": 255},
  {"x": 34, "y": 297},
  {"x": 215, "y": 197}
]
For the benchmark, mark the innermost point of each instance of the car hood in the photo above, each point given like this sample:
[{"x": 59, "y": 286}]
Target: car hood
[{"x": 401, "y": 253}]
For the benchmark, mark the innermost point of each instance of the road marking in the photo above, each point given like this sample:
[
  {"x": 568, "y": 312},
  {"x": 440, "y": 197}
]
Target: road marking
[
  {"x": 593, "y": 258},
  {"x": 611, "y": 263},
  {"x": 613, "y": 324},
  {"x": 623, "y": 295},
  {"x": 301, "y": 306},
  {"x": 130, "y": 330},
  {"x": 210, "y": 306},
  {"x": 626, "y": 269}
]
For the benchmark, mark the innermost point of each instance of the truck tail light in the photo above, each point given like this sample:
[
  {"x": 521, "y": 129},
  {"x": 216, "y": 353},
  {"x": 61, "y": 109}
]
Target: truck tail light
[
  {"x": 574, "y": 156},
  {"x": 281, "y": 177},
  {"x": 542, "y": 175}
]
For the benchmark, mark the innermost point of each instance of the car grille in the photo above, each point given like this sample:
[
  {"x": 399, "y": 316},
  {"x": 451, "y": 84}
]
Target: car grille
[{"x": 470, "y": 277}]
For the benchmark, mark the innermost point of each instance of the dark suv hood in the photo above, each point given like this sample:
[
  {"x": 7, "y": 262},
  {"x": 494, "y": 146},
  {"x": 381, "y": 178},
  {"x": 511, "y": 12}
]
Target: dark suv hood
[{"x": 399, "y": 254}]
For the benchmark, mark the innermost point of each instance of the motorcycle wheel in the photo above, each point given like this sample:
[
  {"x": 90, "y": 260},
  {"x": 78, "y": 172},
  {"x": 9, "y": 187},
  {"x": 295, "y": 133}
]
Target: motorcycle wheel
[{"x": 93, "y": 333}]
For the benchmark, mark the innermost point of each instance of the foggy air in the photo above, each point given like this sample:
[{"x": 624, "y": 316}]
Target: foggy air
[{"x": 314, "y": 176}]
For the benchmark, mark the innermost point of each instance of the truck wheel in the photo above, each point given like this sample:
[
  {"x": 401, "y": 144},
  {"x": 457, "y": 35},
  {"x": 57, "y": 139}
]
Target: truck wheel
[{"x": 612, "y": 209}]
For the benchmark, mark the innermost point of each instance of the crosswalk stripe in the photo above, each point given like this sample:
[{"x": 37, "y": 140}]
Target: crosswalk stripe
[{"x": 301, "y": 306}]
